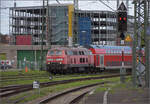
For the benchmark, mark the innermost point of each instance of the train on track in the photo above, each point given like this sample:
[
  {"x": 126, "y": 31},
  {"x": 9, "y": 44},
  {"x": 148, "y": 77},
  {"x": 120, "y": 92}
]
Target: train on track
[{"x": 88, "y": 59}]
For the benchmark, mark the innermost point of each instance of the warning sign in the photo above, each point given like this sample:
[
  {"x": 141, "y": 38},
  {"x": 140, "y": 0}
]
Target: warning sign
[{"x": 128, "y": 38}]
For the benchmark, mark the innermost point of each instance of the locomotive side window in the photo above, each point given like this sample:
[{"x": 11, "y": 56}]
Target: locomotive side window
[
  {"x": 80, "y": 53},
  {"x": 74, "y": 60},
  {"x": 71, "y": 60},
  {"x": 69, "y": 52},
  {"x": 83, "y": 60},
  {"x": 75, "y": 53},
  {"x": 80, "y": 60},
  {"x": 86, "y": 59}
]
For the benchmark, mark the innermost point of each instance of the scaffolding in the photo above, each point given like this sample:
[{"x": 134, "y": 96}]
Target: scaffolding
[{"x": 27, "y": 21}]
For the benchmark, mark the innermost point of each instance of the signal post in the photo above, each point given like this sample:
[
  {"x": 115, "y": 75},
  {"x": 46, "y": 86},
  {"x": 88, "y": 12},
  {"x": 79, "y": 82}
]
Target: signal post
[{"x": 122, "y": 28}]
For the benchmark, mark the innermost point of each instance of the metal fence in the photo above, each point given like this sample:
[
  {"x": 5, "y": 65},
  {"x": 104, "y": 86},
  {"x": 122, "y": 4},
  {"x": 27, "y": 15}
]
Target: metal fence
[{"x": 31, "y": 65}]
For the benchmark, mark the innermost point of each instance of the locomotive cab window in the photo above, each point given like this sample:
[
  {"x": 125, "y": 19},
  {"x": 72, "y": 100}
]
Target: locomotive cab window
[
  {"x": 58, "y": 52},
  {"x": 69, "y": 52},
  {"x": 51, "y": 53},
  {"x": 75, "y": 53}
]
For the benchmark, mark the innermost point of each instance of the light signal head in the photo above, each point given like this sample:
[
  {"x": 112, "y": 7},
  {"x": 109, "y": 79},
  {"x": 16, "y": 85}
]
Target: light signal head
[
  {"x": 124, "y": 18},
  {"x": 120, "y": 18},
  {"x": 122, "y": 21}
]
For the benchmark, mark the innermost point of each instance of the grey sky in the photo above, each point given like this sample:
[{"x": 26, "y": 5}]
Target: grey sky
[{"x": 83, "y": 5}]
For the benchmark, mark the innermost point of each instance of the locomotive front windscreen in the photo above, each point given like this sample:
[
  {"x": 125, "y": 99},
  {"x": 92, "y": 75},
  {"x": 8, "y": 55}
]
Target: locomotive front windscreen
[{"x": 55, "y": 52}]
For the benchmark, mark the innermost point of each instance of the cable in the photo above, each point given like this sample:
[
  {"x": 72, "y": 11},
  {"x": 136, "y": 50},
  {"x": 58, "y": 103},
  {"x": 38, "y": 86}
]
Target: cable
[
  {"x": 58, "y": 2},
  {"x": 64, "y": 0},
  {"x": 107, "y": 5}
]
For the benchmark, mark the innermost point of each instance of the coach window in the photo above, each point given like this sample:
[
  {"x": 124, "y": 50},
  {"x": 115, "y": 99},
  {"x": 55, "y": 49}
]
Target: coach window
[
  {"x": 106, "y": 51},
  {"x": 117, "y": 51}
]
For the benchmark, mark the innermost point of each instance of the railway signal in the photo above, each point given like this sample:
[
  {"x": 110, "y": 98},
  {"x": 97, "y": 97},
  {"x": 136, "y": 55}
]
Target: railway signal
[
  {"x": 122, "y": 21},
  {"x": 122, "y": 18}
]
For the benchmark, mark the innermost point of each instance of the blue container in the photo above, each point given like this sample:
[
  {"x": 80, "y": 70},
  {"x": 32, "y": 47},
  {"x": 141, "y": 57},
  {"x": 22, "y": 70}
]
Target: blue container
[{"x": 84, "y": 36}]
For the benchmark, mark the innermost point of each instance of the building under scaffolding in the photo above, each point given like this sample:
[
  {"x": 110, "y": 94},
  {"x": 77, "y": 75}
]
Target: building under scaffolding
[{"x": 26, "y": 26}]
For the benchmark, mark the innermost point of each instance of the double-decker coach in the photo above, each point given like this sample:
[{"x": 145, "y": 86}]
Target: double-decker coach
[{"x": 111, "y": 57}]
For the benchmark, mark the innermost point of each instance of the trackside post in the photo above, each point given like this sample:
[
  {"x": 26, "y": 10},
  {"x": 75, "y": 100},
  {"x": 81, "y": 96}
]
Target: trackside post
[
  {"x": 122, "y": 69},
  {"x": 36, "y": 85}
]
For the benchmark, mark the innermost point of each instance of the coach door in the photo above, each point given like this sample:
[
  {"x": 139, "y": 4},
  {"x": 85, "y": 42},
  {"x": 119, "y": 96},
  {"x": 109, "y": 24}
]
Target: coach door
[{"x": 101, "y": 60}]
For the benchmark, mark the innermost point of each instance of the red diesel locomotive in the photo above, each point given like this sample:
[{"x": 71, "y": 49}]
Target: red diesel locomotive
[
  {"x": 69, "y": 60},
  {"x": 94, "y": 58}
]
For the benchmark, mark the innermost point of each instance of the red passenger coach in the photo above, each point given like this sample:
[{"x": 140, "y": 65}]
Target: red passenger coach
[
  {"x": 69, "y": 59},
  {"x": 111, "y": 57}
]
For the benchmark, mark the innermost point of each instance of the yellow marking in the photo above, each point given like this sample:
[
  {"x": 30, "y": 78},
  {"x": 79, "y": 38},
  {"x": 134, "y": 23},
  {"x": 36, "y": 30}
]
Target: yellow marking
[{"x": 70, "y": 18}]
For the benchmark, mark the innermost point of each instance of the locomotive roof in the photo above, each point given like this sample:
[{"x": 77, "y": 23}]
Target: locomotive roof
[
  {"x": 68, "y": 48},
  {"x": 110, "y": 47}
]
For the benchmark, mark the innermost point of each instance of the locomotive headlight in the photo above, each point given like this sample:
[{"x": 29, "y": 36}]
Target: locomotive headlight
[
  {"x": 60, "y": 62},
  {"x": 50, "y": 59}
]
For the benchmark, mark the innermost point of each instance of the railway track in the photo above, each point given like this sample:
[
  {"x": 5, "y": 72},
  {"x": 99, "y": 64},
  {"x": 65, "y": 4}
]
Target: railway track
[
  {"x": 12, "y": 90},
  {"x": 70, "y": 94},
  {"x": 16, "y": 78}
]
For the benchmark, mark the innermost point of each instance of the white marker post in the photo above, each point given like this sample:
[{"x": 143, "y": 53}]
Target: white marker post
[
  {"x": 36, "y": 85},
  {"x": 122, "y": 69}
]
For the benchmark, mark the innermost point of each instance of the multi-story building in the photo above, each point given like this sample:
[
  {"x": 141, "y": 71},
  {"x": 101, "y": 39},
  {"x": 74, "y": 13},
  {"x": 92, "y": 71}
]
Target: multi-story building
[{"x": 102, "y": 26}]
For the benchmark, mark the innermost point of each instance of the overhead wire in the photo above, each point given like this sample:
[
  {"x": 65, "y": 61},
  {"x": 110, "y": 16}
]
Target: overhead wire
[{"x": 107, "y": 5}]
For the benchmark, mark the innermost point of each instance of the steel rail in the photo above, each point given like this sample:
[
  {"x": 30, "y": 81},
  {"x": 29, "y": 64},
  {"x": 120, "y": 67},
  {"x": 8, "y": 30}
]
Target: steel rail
[{"x": 78, "y": 98}]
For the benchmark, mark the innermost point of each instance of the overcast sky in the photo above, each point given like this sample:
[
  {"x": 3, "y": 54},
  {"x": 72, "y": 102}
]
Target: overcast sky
[{"x": 83, "y": 5}]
